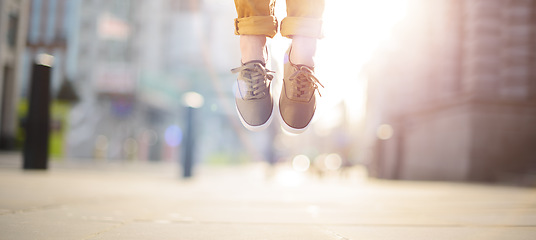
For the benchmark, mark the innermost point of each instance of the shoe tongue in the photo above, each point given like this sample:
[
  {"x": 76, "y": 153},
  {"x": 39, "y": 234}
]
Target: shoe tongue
[{"x": 255, "y": 61}]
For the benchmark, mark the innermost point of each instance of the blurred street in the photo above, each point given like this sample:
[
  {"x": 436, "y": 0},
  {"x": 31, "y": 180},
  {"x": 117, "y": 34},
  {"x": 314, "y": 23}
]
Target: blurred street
[
  {"x": 149, "y": 201},
  {"x": 425, "y": 128}
]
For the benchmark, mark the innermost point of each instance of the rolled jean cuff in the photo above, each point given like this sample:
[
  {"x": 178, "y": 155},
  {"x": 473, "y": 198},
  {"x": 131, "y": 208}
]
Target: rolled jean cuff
[
  {"x": 256, "y": 25},
  {"x": 301, "y": 26}
]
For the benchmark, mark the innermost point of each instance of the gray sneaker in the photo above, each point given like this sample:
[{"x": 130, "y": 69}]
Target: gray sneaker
[
  {"x": 297, "y": 103},
  {"x": 253, "y": 95}
]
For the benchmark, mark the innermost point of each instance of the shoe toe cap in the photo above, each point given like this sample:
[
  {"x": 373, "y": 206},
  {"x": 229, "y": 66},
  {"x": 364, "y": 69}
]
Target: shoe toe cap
[
  {"x": 297, "y": 115},
  {"x": 255, "y": 112}
]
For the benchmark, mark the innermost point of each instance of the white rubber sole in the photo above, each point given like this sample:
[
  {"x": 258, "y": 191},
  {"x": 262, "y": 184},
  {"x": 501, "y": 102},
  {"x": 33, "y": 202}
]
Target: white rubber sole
[{"x": 290, "y": 129}]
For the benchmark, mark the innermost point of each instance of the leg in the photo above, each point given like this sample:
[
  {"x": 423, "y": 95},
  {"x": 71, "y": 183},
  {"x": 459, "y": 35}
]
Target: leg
[
  {"x": 297, "y": 102},
  {"x": 303, "y": 50},
  {"x": 253, "y": 95},
  {"x": 252, "y": 48},
  {"x": 303, "y": 25},
  {"x": 255, "y": 22}
]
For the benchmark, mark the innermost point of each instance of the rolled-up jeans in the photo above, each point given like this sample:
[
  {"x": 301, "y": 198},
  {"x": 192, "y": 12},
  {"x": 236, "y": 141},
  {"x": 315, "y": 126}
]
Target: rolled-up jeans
[{"x": 256, "y": 17}]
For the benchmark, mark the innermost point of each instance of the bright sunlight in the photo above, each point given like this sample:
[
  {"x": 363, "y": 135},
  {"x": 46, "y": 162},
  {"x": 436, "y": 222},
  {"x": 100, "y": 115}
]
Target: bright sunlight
[{"x": 354, "y": 29}]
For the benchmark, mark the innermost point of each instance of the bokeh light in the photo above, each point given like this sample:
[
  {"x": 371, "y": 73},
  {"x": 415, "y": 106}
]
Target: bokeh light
[
  {"x": 173, "y": 135},
  {"x": 101, "y": 143},
  {"x": 333, "y": 161},
  {"x": 193, "y": 99},
  {"x": 151, "y": 137},
  {"x": 301, "y": 163},
  {"x": 130, "y": 147},
  {"x": 385, "y": 131}
]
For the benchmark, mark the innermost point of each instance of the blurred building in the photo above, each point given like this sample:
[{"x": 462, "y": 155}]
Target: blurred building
[
  {"x": 13, "y": 25},
  {"x": 135, "y": 60},
  {"x": 106, "y": 77},
  {"x": 51, "y": 30},
  {"x": 130, "y": 63},
  {"x": 458, "y": 88}
]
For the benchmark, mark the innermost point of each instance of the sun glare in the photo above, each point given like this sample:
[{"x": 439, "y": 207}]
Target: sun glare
[{"x": 353, "y": 31}]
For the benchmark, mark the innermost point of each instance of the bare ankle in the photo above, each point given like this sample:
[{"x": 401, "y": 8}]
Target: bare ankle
[
  {"x": 252, "y": 48},
  {"x": 303, "y": 50}
]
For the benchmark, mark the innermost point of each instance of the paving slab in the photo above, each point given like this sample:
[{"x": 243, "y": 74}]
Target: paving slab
[{"x": 150, "y": 201}]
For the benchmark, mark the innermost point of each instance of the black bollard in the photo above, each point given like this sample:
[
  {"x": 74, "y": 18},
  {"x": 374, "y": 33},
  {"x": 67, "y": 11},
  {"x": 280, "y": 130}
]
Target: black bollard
[
  {"x": 189, "y": 144},
  {"x": 192, "y": 100},
  {"x": 38, "y": 119}
]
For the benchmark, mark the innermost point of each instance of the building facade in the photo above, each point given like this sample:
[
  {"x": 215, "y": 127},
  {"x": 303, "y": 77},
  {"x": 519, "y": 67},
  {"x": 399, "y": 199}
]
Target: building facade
[
  {"x": 13, "y": 25},
  {"x": 459, "y": 90},
  {"x": 135, "y": 60}
]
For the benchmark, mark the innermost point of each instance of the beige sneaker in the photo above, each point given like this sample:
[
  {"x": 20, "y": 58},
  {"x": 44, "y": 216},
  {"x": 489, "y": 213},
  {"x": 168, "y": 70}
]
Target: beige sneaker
[
  {"x": 253, "y": 96},
  {"x": 297, "y": 103}
]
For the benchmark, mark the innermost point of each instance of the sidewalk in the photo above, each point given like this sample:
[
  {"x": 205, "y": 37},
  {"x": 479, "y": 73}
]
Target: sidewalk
[{"x": 150, "y": 201}]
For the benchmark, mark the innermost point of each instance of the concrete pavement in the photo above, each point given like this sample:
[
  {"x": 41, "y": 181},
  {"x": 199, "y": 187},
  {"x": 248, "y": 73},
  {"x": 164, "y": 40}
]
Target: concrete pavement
[{"x": 149, "y": 201}]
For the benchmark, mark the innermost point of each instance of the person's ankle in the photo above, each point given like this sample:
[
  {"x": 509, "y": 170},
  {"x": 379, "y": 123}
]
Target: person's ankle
[
  {"x": 303, "y": 50},
  {"x": 252, "y": 48}
]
